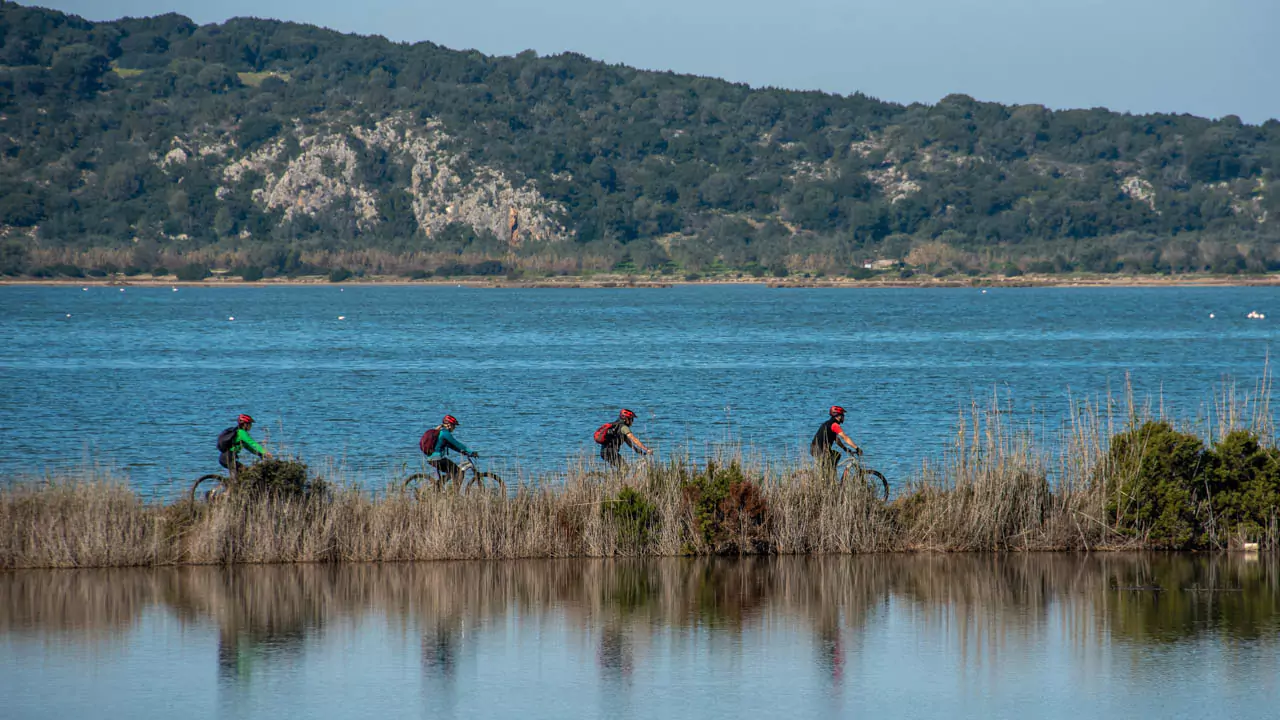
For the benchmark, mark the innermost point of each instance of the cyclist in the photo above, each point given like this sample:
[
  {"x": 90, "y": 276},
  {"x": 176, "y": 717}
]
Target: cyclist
[
  {"x": 830, "y": 435},
  {"x": 438, "y": 446},
  {"x": 612, "y": 435},
  {"x": 234, "y": 439}
]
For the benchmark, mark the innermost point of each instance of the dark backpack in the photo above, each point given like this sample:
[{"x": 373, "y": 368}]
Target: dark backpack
[
  {"x": 227, "y": 438},
  {"x": 429, "y": 439},
  {"x": 603, "y": 433}
]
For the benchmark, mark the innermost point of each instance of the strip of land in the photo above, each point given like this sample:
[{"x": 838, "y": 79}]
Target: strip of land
[{"x": 658, "y": 281}]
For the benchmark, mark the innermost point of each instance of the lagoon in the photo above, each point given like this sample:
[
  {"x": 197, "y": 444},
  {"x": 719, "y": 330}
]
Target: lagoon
[{"x": 140, "y": 382}]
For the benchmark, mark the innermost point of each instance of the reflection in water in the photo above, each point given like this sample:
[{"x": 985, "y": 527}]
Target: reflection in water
[{"x": 639, "y": 621}]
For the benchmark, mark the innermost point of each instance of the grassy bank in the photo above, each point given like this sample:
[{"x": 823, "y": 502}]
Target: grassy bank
[{"x": 1147, "y": 486}]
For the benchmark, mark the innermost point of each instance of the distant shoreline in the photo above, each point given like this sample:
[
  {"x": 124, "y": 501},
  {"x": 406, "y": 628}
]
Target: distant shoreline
[{"x": 623, "y": 282}]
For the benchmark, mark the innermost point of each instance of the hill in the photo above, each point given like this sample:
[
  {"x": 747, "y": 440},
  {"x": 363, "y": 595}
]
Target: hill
[{"x": 281, "y": 148}]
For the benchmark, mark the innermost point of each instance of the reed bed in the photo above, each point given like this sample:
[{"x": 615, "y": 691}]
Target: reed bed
[{"x": 996, "y": 488}]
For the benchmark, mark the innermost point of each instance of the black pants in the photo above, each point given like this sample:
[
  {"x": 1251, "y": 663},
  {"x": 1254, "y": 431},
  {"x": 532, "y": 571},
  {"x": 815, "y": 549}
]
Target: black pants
[
  {"x": 828, "y": 461},
  {"x": 612, "y": 454},
  {"x": 448, "y": 468},
  {"x": 231, "y": 462}
]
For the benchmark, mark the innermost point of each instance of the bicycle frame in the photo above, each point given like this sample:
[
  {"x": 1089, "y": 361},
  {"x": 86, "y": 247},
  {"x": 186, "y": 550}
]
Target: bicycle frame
[{"x": 852, "y": 464}]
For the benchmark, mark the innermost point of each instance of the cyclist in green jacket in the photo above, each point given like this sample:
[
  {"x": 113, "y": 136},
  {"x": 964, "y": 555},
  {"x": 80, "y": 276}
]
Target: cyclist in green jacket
[{"x": 234, "y": 439}]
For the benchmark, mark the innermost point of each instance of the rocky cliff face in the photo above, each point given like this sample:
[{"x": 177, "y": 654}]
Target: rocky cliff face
[{"x": 314, "y": 170}]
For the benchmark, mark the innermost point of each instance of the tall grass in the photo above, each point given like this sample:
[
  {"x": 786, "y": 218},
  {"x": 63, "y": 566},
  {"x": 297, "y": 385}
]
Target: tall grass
[{"x": 998, "y": 487}]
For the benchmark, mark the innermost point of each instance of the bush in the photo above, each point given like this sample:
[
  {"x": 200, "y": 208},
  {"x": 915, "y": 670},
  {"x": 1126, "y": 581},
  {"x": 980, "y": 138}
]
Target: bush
[
  {"x": 252, "y": 273},
  {"x": 487, "y": 267},
  {"x": 191, "y": 272},
  {"x": 861, "y": 273},
  {"x": 276, "y": 478},
  {"x": 636, "y": 519},
  {"x": 419, "y": 274},
  {"x": 728, "y": 510},
  {"x": 692, "y": 277},
  {"x": 340, "y": 274},
  {"x": 1151, "y": 477},
  {"x": 60, "y": 269},
  {"x": 1242, "y": 479}
]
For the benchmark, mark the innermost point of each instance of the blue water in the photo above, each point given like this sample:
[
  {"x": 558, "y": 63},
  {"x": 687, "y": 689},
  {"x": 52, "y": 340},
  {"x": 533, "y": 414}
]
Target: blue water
[{"x": 141, "y": 381}]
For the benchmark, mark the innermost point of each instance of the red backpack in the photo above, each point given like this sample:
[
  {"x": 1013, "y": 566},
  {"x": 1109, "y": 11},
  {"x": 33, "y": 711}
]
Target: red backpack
[
  {"x": 429, "y": 439},
  {"x": 602, "y": 433}
]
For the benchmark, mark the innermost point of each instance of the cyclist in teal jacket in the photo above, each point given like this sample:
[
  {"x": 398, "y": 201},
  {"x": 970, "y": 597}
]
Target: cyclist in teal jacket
[{"x": 446, "y": 441}]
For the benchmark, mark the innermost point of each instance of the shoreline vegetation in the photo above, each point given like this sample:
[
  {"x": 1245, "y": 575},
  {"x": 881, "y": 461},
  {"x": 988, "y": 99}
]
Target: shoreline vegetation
[
  {"x": 606, "y": 281},
  {"x": 1117, "y": 478}
]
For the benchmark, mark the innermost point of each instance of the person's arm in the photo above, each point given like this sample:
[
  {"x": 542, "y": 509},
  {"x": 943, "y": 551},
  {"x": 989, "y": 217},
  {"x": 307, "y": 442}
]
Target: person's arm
[
  {"x": 633, "y": 441},
  {"x": 453, "y": 442},
  {"x": 848, "y": 443},
  {"x": 250, "y": 444}
]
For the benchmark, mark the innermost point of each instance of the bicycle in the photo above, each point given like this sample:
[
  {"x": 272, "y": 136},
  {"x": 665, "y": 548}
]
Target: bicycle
[
  {"x": 437, "y": 479},
  {"x": 851, "y": 466},
  {"x": 218, "y": 491}
]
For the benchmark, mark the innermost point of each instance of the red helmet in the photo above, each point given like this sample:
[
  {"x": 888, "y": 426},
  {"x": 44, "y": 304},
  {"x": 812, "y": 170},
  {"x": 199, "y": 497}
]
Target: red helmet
[
  {"x": 245, "y": 420},
  {"x": 836, "y": 410},
  {"x": 626, "y": 414},
  {"x": 450, "y": 420}
]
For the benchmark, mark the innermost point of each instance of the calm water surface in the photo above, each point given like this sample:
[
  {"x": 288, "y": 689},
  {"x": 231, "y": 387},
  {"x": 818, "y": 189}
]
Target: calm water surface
[
  {"x": 883, "y": 636},
  {"x": 143, "y": 380}
]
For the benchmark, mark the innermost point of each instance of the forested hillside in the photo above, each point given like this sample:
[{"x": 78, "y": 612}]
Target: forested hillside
[{"x": 277, "y": 148}]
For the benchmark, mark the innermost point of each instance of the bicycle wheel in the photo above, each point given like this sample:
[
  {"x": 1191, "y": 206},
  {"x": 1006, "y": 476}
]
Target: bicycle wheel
[
  {"x": 220, "y": 479},
  {"x": 879, "y": 476},
  {"x": 431, "y": 480},
  {"x": 497, "y": 481}
]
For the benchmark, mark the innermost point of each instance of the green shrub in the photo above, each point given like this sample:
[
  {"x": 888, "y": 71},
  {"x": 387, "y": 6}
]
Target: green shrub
[
  {"x": 252, "y": 273},
  {"x": 1152, "y": 474},
  {"x": 276, "y": 478},
  {"x": 61, "y": 269},
  {"x": 191, "y": 272},
  {"x": 1242, "y": 479},
  {"x": 338, "y": 275},
  {"x": 861, "y": 273},
  {"x": 636, "y": 518},
  {"x": 728, "y": 510}
]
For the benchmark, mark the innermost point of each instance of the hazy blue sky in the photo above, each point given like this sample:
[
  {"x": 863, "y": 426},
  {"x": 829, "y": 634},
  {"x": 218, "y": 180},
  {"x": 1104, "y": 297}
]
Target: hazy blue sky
[{"x": 1207, "y": 57}]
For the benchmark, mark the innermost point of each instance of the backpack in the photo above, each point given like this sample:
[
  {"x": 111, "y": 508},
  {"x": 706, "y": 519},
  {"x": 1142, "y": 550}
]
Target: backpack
[
  {"x": 602, "y": 433},
  {"x": 429, "y": 439},
  {"x": 227, "y": 438}
]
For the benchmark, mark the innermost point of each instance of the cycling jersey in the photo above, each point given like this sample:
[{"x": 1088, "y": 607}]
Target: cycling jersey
[
  {"x": 445, "y": 441},
  {"x": 243, "y": 441},
  {"x": 825, "y": 439}
]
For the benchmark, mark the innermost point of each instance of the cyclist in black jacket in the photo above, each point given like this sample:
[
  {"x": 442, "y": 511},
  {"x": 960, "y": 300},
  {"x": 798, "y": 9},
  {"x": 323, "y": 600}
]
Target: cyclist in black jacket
[{"x": 831, "y": 435}]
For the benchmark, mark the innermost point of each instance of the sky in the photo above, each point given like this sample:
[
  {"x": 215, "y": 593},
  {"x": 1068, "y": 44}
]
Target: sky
[{"x": 1205, "y": 57}]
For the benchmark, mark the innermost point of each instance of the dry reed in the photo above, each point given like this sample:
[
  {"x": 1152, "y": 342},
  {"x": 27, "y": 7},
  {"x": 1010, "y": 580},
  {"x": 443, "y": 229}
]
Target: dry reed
[{"x": 995, "y": 489}]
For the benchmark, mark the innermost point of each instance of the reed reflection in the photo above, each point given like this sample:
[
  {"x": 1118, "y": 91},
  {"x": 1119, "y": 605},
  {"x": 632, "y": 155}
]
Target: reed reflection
[{"x": 626, "y": 610}]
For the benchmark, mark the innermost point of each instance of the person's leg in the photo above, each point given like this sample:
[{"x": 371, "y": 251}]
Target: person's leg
[
  {"x": 610, "y": 454},
  {"x": 826, "y": 462},
  {"x": 448, "y": 470},
  {"x": 232, "y": 464}
]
